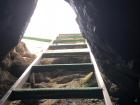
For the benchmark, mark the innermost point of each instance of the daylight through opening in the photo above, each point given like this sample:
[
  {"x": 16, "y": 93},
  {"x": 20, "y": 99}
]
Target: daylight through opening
[{"x": 50, "y": 18}]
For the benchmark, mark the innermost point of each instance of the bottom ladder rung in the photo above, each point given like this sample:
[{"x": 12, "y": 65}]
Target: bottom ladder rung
[{"x": 56, "y": 93}]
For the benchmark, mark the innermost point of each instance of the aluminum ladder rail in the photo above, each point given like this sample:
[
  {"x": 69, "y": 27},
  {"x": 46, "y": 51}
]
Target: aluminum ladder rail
[{"x": 63, "y": 46}]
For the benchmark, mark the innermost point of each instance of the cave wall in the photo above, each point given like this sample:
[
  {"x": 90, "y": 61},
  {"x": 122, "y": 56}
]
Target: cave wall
[
  {"x": 110, "y": 26},
  {"x": 14, "y": 17},
  {"x": 112, "y": 29}
]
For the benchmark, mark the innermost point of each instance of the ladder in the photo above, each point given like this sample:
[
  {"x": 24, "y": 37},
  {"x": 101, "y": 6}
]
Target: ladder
[{"x": 64, "y": 46}]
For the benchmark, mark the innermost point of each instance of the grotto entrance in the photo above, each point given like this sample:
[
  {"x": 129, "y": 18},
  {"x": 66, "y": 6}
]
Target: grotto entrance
[{"x": 50, "y": 18}]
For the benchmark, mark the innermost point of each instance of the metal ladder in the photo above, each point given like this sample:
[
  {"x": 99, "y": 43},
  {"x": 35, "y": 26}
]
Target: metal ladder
[{"x": 65, "y": 45}]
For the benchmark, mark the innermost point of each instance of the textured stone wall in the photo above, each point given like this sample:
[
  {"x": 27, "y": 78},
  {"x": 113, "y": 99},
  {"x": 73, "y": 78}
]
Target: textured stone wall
[
  {"x": 13, "y": 65},
  {"x": 14, "y": 17},
  {"x": 111, "y": 27}
]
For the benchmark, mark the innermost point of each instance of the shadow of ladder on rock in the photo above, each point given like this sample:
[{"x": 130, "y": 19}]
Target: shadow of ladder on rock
[{"x": 65, "y": 45}]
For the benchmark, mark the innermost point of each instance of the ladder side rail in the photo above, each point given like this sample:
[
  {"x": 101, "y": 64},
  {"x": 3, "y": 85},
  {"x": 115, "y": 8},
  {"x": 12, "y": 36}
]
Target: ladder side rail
[
  {"x": 19, "y": 83},
  {"x": 99, "y": 78}
]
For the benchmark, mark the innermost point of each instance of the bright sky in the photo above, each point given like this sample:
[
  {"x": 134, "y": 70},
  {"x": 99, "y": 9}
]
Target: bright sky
[{"x": 52, "y": 17}]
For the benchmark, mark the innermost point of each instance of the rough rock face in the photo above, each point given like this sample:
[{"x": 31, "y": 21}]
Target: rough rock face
[
  {"x": 14, "y": 16},
  {"x": 13, "y": 66},
  {"x": 112, "y": 29},
  {"x": 110, "y": 26},
  {"x": 18, "y": 60}
]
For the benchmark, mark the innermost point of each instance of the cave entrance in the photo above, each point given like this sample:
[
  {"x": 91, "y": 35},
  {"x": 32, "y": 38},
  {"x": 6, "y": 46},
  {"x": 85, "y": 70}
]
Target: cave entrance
[{"x": 50, "y": 18}]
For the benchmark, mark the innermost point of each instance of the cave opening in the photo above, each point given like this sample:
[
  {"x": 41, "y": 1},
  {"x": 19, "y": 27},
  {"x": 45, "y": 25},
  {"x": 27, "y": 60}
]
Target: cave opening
[{"x": 50, "y": 18}]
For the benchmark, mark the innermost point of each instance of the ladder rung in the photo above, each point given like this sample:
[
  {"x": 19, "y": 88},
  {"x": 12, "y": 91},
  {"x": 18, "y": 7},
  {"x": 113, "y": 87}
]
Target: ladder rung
[
  {"x": 68, "y": 50},
  {"x": 53, "y": 67},
  {"x": 64, "y": 54},
  {"x": 69, "y": 46},
  {"x": 56, "y": 93},
  {"x": 70, "y": 38},
  {"x": 67, "y": 35},
  {"x": 69, "y": 41}
]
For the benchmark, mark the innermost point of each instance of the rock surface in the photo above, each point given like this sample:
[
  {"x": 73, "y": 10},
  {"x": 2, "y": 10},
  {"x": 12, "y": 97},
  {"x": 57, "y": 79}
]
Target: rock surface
[
  {"x": 13, "y": 66},
  {"x": 110, "y": 26},
  {"x": 112, "y": 30},
  {"x": 14, "y": 17}
]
